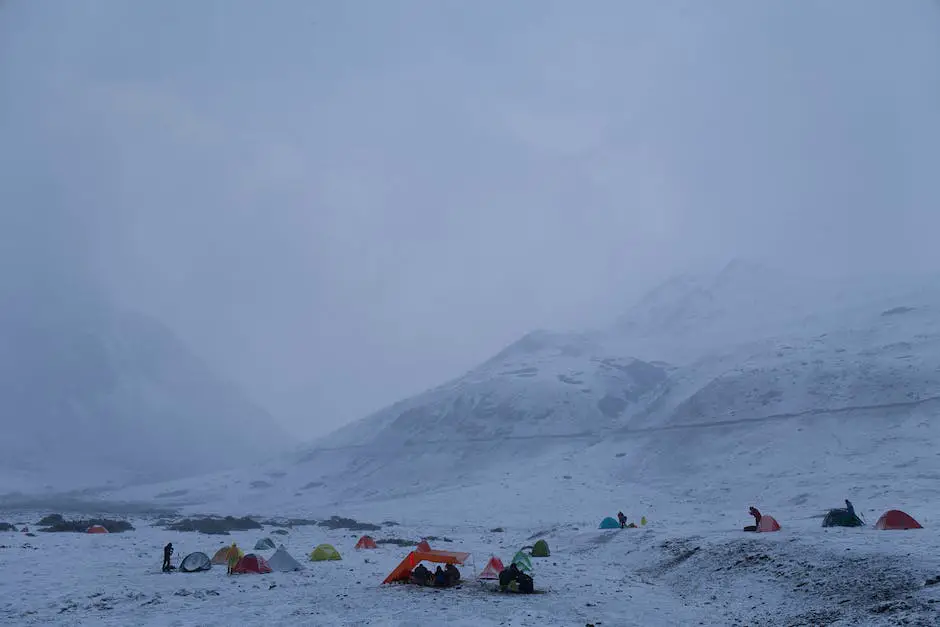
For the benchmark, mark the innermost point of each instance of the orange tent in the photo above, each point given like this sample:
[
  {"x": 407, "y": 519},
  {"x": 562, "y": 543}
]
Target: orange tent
[
  {"x": 97, "y": 529},
  {"x": 492, "y": 570},
  {"x": 896, "y": 519},
  {"x": 768, "y": 523},
  {"x": 423, "y": 546},
  {"x": 366, "y": 542},
  {"x": 403, "y": 571}
]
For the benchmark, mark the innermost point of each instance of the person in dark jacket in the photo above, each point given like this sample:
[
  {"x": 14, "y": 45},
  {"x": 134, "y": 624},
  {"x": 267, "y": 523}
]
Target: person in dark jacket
[
  {"x": 440, "y": 577},
  {"x": 506, "y": 577},
  {"x": 753, "y": 511},
  {"x": 453, "y": 575},
  {"x": 167, "y": 554},
  {"x": 623, "y": 519},
  {"x": 526, "y": 584},
  {"x": 420, "y": 575}
]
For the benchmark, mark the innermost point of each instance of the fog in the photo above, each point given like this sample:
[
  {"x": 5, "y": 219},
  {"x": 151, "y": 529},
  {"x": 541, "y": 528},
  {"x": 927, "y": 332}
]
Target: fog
[{"x": 338, "y": 204}]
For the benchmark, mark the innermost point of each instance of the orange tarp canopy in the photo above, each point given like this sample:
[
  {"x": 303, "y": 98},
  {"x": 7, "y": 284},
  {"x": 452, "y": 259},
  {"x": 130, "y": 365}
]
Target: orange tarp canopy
[{"x": 403, "y": 571}]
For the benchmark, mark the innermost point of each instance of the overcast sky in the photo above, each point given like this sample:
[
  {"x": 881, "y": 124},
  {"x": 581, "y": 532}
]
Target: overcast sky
[{"x": 341, "y": 203}]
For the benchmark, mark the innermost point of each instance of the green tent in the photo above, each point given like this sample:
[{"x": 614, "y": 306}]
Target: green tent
[
  {"x": 609, "y": 523},
  {"x": 325, "y": 553},
  {"x": 842, "y": 517},
  {"x": 265, "y": 544},
  {"x": 541, "y": 549},
  {"x": 522, "y": 562}
]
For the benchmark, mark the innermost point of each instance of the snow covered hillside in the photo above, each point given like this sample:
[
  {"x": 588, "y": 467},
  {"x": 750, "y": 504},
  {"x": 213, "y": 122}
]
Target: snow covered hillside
[
  {"x": 94, "y": 396},
  {"x": 834, "y": 403}
]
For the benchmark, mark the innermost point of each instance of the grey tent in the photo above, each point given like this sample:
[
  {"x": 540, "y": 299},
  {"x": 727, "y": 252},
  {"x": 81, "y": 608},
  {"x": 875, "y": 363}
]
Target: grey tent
[
  {"x": 195, "y": 563},
  {"x": 282, "y": 561},
  {"x": 264, "y": 544}
]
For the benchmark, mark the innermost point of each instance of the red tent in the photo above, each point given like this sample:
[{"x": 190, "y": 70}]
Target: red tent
[
  {"x": 96, "y": 529},
  {"x": 366, "y": 542},
  {"x": 896, "y": 519},
  {"x": 252, "y": 563},
  {"x": 423, "y": 546},
  {"x": 403, "y": 571},
  {"x": 492, "y": 570},
  {"x": 768, "y": 523}
]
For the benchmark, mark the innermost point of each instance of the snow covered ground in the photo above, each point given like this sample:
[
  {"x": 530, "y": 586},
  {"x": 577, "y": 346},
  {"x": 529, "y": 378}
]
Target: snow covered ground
[
  {"x": 677, "y": 572},
  {"x": 550, "y": 436}
]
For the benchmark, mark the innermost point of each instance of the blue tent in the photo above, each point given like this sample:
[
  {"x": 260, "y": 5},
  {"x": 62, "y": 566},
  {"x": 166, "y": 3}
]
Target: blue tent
[{"x": 609, "y": 523}]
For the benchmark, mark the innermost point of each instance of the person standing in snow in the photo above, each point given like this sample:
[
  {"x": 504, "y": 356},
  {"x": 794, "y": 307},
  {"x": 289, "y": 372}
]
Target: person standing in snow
[
  {"x": 232, "y": 558},
  {"x": 622, "y": 518},
  {"x": 167, "y": 554}
]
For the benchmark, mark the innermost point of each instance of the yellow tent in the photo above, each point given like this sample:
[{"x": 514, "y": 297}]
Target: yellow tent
[
  {"x": 221, "y": 556},
  {"x": 324, "y": 552}
]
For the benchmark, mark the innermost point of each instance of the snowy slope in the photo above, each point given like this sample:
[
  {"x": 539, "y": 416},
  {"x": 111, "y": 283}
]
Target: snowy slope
[
  {"x": 838, "y": 403},
  {"x": 849, "y": 393},
  {"x": 94, "y": 395}
]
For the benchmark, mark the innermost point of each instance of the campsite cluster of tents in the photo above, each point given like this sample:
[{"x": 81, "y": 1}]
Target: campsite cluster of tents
[
  {"x": 282, "y": 561},
  {"x": 891, "y": 520}
]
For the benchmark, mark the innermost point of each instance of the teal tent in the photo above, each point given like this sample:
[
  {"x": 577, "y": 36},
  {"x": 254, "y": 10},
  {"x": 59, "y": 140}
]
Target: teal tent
[
  {"x": 609, "y": 523},
  {"x": 522, "y": 562},
  {"x": 842, "y": 518}
]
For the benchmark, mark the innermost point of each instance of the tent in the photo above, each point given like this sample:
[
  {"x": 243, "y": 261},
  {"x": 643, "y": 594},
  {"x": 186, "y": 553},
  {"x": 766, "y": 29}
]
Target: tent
[
  {"x": 609, "y": 523},
  {"x": 522, "y": 562},
  {"x": 325, "y": 553},
  {"x": 841, "y": 517},
  {"x": 195, "y": 563},
  {"x": 402, "y": 572},
  {"x": 283, "y": 562},
  {"x": 768, "y": 523},
  {"x": 492, "y": 569},
  {"x": 366, "y": 542},
  {"x": 265, "y": 544},
  {"x": 252, "y": 564},
  {"x": 541, "y": 549},
  {"x": 423, "y": 546},
  {"x": 896, "y": 519},
  {"x": 221, "y": 556},
  {"x": 96, "y": 529}
]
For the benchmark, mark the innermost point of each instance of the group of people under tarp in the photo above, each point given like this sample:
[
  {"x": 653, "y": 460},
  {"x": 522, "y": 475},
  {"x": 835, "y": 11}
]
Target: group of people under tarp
[
  {"x": 514, "y": 580},
  {"x": 440, "y": 578}
]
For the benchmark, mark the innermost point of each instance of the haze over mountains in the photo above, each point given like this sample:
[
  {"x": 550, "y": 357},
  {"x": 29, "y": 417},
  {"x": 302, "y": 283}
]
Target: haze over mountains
[
  {"x": 93, "y": 395},
  {"x": 764, "y": 370}
]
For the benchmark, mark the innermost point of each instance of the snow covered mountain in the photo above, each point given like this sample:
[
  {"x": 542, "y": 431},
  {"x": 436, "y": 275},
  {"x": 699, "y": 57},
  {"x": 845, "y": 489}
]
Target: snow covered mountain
[
  {"x": 832, "y": 399},
  {"x": 92, "y": 395},
  {"x": 545, "y": 384}
]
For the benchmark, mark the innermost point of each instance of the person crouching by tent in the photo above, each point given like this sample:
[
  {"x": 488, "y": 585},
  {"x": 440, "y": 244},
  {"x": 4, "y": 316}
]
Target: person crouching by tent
[
  {"x": 753, "y": 511},
  {"x": 167, "y": 554},
  {"x": 232, "y": 558},
  {"x": 514, "y": 580},
  {"x": 623, "y": 519},
  {"x": 507, "y": 576},
  {"x": 453, "y": 575},
  {"x": 420, "y": 576}
]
